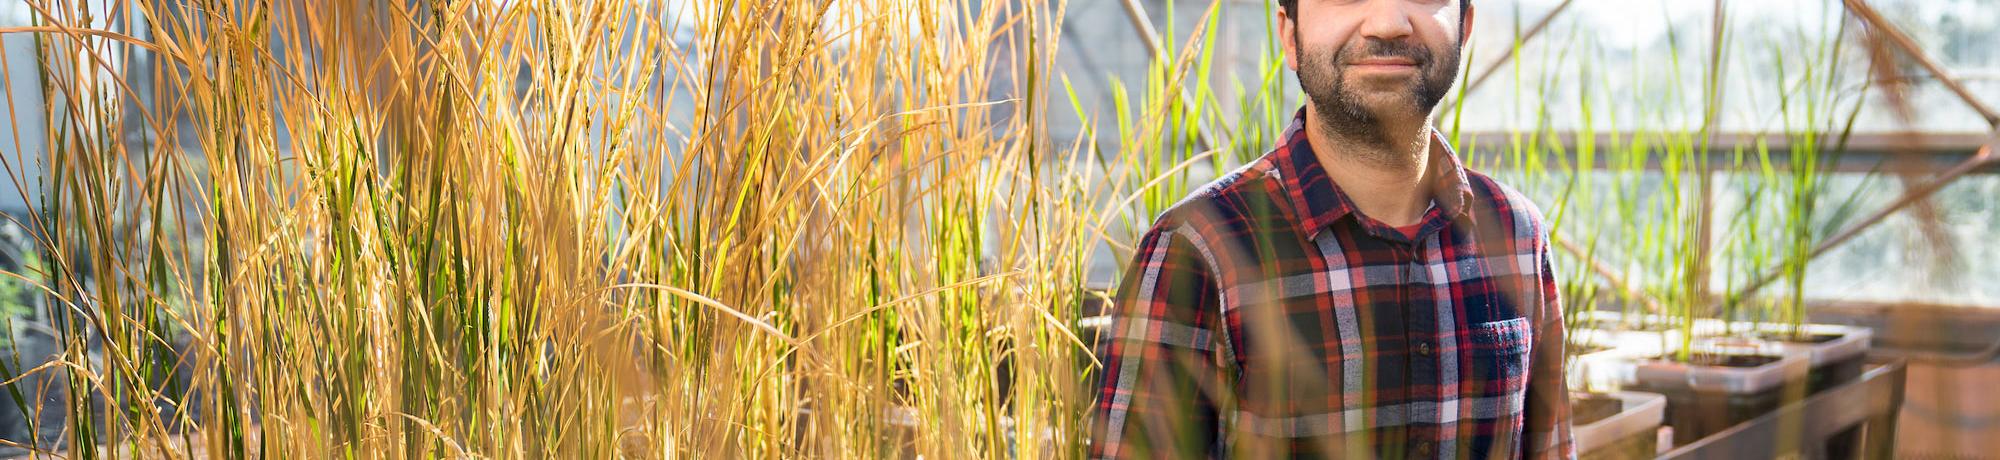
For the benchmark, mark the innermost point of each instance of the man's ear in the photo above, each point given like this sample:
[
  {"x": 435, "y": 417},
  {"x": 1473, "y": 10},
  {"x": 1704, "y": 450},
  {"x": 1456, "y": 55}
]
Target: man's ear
[
  {"x": 1288, "y": 35},
  {"x": 1465, "y": 24}
]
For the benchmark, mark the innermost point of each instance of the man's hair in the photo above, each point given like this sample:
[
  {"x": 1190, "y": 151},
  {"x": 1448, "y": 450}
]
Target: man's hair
[{"x": 1291, "y": 8}]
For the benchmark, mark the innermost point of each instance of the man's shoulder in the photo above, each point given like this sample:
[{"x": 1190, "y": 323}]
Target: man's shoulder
[
  {"x": 1227, "y": 201},
  {"x": 1513, "y": 208}
]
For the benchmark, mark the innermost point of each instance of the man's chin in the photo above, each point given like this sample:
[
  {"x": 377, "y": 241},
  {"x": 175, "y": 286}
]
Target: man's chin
[{"x": 1388, "y": 106}]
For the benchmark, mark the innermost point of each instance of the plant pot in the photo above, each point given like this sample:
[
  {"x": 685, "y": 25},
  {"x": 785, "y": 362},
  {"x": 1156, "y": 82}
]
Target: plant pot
[
  {"x": 1601, "y": 361},
  {"x": 1629, "y": 337},
  {"x": 1703, "y": 399},
  {"x": 1742, "y": 380},
  {"x": 1629, "y": 431},
  {"x": 1729, "y": 387},
  {"x": 1836, "y": 352},
  {"x": 1605, "y": 357}
]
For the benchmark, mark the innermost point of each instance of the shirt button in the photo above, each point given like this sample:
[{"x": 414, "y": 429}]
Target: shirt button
[
  {"x": 1423, "y": 449},
  {"x": 1423, "y": 349}
]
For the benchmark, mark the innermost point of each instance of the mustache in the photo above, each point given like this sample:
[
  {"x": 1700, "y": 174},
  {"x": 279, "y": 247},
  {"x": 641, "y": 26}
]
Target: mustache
[{"x": 1385, "y": 49}]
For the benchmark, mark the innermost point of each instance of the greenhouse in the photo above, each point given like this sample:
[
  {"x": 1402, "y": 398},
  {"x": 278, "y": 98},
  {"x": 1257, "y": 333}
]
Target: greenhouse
[{"x": 1612, "y": 229}]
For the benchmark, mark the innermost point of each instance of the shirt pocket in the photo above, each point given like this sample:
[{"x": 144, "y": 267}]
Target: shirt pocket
[{"x": 1498, "y": 355}]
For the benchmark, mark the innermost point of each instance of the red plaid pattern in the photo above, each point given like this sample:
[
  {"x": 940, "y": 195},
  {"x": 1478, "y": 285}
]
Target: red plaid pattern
[{"x": 1263, "y": 317}]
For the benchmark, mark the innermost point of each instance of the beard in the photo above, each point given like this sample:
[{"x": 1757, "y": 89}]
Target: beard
[{"x": 1322, "y": 74}]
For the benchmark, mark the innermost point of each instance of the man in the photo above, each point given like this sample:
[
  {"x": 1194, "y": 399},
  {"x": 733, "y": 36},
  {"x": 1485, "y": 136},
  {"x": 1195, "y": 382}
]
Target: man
[{"x": 1354, "y": 293}]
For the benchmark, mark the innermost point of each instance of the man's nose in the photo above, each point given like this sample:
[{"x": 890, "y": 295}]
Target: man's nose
[{"x": 1386, "y": 20}]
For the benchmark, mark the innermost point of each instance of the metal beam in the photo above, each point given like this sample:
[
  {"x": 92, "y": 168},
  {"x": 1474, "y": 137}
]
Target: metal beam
[
  {"x": 1895, "y": 35},
  {"x": 1863, "y": 152}
]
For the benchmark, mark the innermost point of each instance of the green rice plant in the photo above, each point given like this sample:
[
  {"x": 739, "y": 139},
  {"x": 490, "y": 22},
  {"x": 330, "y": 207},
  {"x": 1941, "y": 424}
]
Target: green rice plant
[
  {"x": 1688, "y": 224},
  {"x": 1816, "y": 113},
  {"x": 1811, "y": 114},
  {"x": 1160, "y": 155},
  {"x": 1629, "y": 192}
]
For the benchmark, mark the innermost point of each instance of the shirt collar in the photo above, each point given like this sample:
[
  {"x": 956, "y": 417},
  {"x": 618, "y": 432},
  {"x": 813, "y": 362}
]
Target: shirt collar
[{"x": 1318, "y": 202}]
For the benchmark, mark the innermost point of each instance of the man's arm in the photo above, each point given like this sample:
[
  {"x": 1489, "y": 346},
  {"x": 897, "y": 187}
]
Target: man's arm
[
  {"x": 1157, "y": 357},
  {"x": 1548, "y": 416}
]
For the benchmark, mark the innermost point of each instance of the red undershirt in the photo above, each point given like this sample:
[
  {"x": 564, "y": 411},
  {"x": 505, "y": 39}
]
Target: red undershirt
[{"x": 1410, "y": 231}]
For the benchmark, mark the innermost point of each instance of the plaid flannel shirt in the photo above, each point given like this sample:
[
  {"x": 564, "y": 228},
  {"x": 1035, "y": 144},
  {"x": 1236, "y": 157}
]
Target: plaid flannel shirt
[{"x": 1264, "y": 317}]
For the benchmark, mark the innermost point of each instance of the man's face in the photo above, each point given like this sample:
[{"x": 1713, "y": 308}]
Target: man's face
[{"x": 1364, "y": 61}]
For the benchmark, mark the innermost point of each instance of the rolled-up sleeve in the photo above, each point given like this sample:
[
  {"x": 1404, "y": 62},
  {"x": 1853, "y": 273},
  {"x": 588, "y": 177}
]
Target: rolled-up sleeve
[{"x": 1155, "y": 398}]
